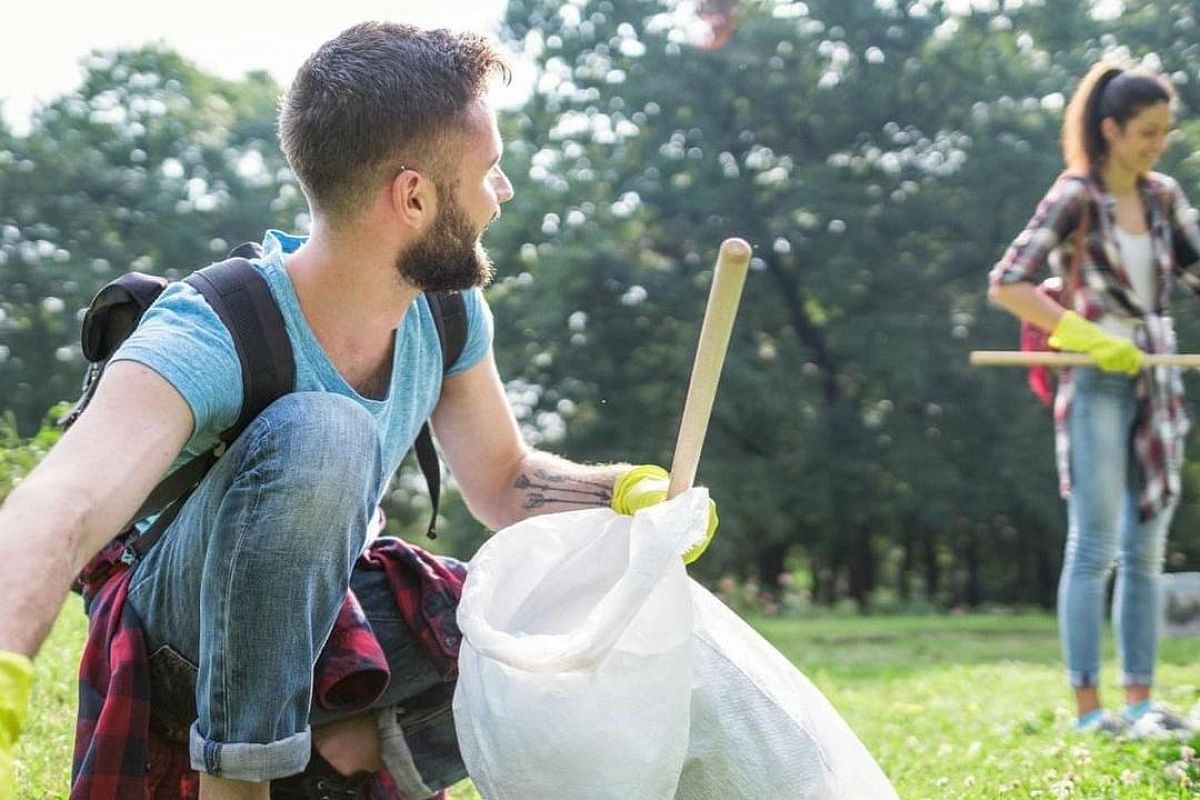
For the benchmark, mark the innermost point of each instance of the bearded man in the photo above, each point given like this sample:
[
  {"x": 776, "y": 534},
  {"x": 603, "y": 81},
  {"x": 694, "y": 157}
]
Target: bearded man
[{"x": 389, "y": 133}]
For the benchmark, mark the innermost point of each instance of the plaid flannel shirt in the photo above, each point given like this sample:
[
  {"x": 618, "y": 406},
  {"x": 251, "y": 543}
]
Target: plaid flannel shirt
[
  {"x": 1104, "y": 289},
  {"x": 116, "y": 753}
]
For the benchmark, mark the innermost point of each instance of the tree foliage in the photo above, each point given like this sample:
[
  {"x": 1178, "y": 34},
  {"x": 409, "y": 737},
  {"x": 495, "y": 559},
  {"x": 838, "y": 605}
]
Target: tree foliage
[
  {"x": 150, "y": 165},
  {"x": 878, "y": 154}
]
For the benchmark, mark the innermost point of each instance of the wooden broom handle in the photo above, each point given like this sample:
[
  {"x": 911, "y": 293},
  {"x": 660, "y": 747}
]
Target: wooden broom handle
[
  {"x": 733, "y": 261},
  {"x": 1034, "y": 358}
]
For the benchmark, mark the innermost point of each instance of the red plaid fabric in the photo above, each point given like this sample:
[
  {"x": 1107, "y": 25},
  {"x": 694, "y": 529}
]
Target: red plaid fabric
[
  {"x": 427, "y": 591},
  {"x": 111, "y": 731},
  {"x": 116, "y": 755},
  {"x": 1033, "y": 338},
  {"x": 1104, "y": 289}
]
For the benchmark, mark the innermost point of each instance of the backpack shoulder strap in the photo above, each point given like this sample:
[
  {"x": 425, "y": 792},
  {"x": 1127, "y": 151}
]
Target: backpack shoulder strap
[
  {"x": 241, "y": 298},
  {"x": 449, "y": 313}
]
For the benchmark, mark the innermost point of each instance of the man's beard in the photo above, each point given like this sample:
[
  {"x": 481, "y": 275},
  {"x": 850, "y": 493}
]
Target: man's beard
[{"x": 449, "y": 257}]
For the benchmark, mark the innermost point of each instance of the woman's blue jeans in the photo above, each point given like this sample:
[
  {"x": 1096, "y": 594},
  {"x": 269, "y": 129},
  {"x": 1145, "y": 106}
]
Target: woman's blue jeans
[
  {"x": 1104, "y": 531},
  {"x": 246, "y": 584}
]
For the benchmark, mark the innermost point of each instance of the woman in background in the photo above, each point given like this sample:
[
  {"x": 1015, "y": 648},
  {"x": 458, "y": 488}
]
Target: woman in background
[{"x": 1116, "y": 234}]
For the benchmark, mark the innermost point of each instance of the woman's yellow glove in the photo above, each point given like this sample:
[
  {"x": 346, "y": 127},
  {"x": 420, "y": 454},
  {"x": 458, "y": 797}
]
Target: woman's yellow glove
[
  {"x": 644, "y": 486},
  {"x": 1111, "y": 353},
  {"x": 16, "y": 674}
]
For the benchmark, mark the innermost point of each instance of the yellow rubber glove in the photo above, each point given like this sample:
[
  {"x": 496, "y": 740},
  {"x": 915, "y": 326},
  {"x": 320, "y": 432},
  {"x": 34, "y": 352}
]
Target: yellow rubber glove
[
  {"x": 16, "y": 673},
  {"x": 644, "y": 486},
  {"x": 1111, "y": 353}
]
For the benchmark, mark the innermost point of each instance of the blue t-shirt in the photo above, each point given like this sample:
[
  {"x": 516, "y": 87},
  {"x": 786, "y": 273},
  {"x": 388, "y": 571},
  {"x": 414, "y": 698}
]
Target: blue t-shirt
[{"x": 183, "y": 339}]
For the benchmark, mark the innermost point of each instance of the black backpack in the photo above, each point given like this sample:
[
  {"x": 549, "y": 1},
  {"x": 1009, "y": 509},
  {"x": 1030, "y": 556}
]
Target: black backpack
[{"x": 240, "y": 296}]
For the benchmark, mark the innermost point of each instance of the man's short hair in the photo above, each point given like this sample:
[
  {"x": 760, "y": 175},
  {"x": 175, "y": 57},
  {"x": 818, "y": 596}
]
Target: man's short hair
[{"x": 379, "y": 96}]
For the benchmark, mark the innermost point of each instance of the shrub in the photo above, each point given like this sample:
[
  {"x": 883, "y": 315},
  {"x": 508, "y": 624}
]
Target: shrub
[{"x": 19, "y": 456}]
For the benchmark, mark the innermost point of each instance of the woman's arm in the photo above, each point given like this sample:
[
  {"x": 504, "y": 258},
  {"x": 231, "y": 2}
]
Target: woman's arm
[
  {"x": 1023, "y": 300},
  {"x": 1057, "y": 216}
]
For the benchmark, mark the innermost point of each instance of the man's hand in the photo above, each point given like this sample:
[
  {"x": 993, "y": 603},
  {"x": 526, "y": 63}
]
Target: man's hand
[
  {"x": 1111, "y": 353},
  {"x": 644, "y": 486},
  {"x": 16, "y": 672}
]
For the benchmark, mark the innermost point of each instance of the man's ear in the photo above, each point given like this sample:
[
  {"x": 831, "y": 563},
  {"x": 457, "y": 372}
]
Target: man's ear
[{"x": 413, "y": 198}]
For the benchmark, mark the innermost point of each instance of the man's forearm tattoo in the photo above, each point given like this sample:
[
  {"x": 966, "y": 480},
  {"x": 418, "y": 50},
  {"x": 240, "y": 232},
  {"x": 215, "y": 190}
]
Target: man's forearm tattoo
[{"x": 545, "y": 488}]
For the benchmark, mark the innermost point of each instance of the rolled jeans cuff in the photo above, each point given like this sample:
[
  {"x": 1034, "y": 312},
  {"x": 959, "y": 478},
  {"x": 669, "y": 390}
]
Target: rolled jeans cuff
[
  {"x": 1082, "y": 679},
  {"x": 255, "y": 763},
  {"x": 1138, "y": 679}
]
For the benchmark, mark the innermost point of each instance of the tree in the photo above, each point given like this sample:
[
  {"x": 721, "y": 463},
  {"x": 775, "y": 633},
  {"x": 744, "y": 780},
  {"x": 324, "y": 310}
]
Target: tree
[
  {"x": 879, "y": 156},
  {"x": 151, "y": 165}
]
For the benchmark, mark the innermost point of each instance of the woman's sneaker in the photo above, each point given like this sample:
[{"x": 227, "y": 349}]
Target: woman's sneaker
[
  {"x": 1155, "y": 721},
  {"x": 1101, "y": 721}
]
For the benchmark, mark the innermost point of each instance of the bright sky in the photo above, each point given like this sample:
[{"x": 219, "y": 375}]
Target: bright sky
[{"x": 44, "y": 40}]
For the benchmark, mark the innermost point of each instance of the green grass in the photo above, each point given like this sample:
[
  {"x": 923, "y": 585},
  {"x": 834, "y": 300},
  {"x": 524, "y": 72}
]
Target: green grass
[
  {"x": 952, "y": 707},
  {"x": 976, "y": 707}
]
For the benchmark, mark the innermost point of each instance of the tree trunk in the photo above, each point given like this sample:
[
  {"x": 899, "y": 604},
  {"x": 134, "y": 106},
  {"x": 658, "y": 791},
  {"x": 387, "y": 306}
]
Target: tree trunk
[
  {"x": 974, "y": 588},
  {"x": 931, "y": 569},
  {"x": 770, "y": 562},
  {"x": 1047, "y": 575},
  {"x": 907, "y": 564},
  {"x": 862, "y": 568},
  {"x": 816, "y": 578},
  {"x": 825, "y": 578}
]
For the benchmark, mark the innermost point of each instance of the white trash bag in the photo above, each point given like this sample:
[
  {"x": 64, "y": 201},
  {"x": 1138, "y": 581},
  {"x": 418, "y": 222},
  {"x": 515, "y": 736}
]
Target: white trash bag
[
  {"x": 593, "y": 668},
  {"x": 760, "y": 729},
  {"x": 575, "y": 671}
]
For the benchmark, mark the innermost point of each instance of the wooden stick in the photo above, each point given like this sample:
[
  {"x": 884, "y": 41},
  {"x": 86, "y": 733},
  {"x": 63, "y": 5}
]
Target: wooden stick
[
  {"x": 1031, "y": 358},
  {"x": 728, "y": 279}
]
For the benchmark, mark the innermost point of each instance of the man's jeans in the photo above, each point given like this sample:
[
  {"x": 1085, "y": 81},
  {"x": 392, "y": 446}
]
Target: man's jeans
[
  {"x": 243, "y": 590},
  {"x": 1103, "y": 528}
]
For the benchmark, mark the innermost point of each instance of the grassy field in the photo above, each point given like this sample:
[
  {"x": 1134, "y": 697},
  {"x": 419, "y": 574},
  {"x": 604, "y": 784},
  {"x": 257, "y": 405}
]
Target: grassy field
[{"x": 952, "y": 707}]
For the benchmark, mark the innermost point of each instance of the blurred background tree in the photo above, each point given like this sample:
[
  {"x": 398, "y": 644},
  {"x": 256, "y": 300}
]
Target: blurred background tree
[
  {"x": 879, "y": 155},
  {"x": 150, "y": 165}
]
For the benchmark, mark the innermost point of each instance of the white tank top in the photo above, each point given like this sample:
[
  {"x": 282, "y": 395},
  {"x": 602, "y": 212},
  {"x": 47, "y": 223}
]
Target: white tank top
[{"x": 1137, "y": 256}]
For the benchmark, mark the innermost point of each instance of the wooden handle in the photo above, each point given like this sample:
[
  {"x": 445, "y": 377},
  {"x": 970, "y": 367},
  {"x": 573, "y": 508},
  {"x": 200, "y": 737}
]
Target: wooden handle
[
  {"x": 1034, "y": 358},
  {"x": 728, "y": 279}
]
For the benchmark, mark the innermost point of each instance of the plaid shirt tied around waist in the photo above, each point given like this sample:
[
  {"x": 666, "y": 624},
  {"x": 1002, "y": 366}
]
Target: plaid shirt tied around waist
[
  {"x": 1104, "y": 290},
  {"x": 117, "y": 755}
]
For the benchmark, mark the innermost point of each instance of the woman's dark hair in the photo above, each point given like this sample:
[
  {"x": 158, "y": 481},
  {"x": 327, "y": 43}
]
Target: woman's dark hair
[{"x": 1106, "y": 91}]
